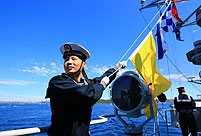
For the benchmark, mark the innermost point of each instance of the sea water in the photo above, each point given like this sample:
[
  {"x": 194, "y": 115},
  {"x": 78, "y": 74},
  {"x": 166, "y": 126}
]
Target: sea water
[{"x": 27, "y": 115}]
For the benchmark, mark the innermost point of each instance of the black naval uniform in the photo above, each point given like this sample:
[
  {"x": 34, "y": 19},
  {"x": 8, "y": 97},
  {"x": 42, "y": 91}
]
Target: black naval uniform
[
  {"x": 71, "y": 103},
  {"x": 185, "y": 104}
]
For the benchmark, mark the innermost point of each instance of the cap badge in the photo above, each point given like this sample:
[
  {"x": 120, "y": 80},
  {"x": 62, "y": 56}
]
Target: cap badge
[{"x": 67, "y": 47}]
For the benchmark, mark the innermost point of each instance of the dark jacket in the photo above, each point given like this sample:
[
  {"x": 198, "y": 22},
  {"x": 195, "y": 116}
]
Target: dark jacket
[
  {"x": 71, "y": 104},
  {"x": 184, "y": 104}
]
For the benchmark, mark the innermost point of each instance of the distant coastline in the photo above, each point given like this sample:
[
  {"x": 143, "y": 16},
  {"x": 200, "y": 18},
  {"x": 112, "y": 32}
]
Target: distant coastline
[
  {"x": 25, "y": 101},
  {"x": 101, "y": 101}
]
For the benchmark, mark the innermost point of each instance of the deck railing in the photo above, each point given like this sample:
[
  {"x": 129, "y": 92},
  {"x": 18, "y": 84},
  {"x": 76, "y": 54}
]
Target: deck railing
[{"x": 38, "y": 130}]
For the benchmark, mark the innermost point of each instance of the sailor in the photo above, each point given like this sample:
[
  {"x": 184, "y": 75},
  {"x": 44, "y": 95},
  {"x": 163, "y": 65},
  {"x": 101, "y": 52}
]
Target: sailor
[
  {"x": 185, "y": 104},
  {"x": 71, "y": 96}
]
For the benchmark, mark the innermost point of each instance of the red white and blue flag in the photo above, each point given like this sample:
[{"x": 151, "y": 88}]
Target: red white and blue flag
[{"x": 162, "y": 46}]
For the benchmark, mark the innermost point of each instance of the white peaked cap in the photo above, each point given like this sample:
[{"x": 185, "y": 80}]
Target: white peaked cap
[{"x": 69, "y": 47}]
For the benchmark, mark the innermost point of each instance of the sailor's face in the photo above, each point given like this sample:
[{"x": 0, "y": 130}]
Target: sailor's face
[{"x": 72, "y": 64}]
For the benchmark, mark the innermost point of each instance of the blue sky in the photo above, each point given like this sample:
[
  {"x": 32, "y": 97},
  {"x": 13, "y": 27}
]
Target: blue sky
[{"x": 32, "y": 31}]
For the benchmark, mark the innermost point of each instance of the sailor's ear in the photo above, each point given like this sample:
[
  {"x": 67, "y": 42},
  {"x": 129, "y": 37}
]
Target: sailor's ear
[{"x": 84, "y": 64}]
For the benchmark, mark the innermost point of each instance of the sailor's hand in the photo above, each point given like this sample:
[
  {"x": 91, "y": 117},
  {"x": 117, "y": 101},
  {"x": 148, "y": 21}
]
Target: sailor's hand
[
  {"x": 105, "y": 81},
  {"x": 123, "y": 64}
]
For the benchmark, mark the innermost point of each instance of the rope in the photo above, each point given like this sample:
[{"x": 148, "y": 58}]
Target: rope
[
  {"x": 169, "y": 77},
  {"x": 142, "y": 33},
  {"x": 195, "y": 87},
  {"x": 144, "y": 18},
  {"x": 175, "y": 56},
  {"x": 182, "y": 73},
  {"x": 162, "y": 14},
  {"x": 176, "y": 67}
]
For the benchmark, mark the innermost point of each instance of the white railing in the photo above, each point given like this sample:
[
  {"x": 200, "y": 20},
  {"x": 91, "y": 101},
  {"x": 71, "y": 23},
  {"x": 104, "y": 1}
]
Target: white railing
[
  {"x": 38, "y": 130},
  {"x": 26, "y": 131}
]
